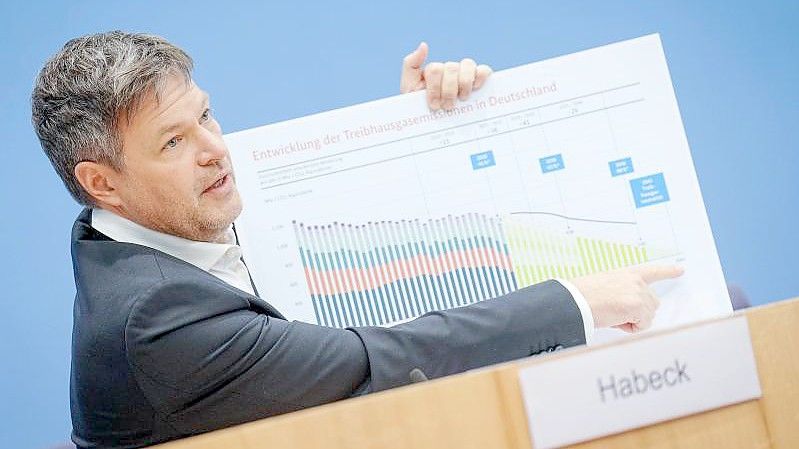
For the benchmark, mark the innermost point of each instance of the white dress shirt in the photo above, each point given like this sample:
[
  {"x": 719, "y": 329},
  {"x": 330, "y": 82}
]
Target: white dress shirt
[
  {"x": 223, "y": 260},
  {"x": 585, "y": 309}
]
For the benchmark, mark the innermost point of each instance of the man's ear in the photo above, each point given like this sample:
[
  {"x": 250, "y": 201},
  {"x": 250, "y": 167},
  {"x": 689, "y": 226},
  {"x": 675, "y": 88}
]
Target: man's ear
[{"x": 99, "y": 181}]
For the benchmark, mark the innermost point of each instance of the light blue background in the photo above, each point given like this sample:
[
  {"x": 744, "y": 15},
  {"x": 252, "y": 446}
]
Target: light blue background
[{"x": 734, "y": 66}]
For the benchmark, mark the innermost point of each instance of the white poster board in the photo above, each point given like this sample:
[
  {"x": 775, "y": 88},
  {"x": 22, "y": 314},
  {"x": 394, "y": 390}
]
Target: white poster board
[{"x": 377, "y": 213}]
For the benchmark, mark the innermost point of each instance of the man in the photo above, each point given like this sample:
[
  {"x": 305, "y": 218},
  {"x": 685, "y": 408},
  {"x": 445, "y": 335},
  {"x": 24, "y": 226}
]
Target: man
[{"x": 170, "y": 337}]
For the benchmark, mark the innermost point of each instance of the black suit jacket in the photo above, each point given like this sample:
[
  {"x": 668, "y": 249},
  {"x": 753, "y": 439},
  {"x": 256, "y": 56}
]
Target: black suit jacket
[{"x": 162, "y": 349}]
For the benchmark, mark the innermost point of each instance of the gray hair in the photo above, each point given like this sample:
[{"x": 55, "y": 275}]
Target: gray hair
[{"x": 83, "y": 90}]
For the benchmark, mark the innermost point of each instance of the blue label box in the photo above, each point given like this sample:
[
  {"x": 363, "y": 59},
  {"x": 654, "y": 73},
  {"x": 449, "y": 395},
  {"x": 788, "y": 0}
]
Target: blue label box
[
  {"x": 483, "y": 160},
  {"x": 551, "y": 163},
  {"x": 649, "y": 190},
  {"x": 621, "y": 166}
]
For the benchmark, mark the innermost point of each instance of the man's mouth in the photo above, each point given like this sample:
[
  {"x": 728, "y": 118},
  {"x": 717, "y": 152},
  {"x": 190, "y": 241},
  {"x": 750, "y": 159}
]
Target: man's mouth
[{"x": 221, "y": 182}]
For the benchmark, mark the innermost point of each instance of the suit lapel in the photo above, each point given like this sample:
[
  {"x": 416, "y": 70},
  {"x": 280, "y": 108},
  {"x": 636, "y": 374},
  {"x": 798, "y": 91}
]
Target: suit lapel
[{"x": 82, "y": 230}]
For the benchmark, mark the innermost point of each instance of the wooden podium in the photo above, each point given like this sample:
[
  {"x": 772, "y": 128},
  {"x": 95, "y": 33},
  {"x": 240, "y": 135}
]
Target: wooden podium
[{"x": 484, "y": 409}]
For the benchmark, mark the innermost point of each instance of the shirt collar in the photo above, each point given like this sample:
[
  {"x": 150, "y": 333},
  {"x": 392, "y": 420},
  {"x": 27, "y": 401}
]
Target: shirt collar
[{"x": 201, "y": 254}]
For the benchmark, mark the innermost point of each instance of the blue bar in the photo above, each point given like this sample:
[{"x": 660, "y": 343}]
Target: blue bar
[
  {"x": 649, "y": 190},
  {"x": 426, "y": 276},
  {"x": 396, "y": 289},
  {"x": 483, "y": 160},
  {"x": 459, "y": 273},
  {"x": 474, "y": 272},
  {"x": 363, "y": 264},
  {"x": 438, "y": 252},
  {"x": 348, "y": 238},
  {"x": 407, "y": 255},
  {"x": 349, "y": 320},
  {"x": 378, "y": 262},
  {"x": 313, "y": 297},
  {"x": 334, "y": 297},
  {"x": 551, "y": 163},
  {"x": 493, "y": 266},
  {"x": 464, "y": 280},
  {"x": 438, "y": 293},
  {"x": 621, "y": 166},
  {"x": 506, "y": 251},
  {"x": 324, "y": 300}
]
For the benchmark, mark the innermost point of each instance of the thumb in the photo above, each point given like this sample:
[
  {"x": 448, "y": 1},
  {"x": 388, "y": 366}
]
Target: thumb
[{"x": 412, "y": 68}]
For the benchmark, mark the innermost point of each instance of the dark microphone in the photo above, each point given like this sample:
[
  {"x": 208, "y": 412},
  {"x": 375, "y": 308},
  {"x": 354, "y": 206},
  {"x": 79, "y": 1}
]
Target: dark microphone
[{"x": 417, "y": 375}]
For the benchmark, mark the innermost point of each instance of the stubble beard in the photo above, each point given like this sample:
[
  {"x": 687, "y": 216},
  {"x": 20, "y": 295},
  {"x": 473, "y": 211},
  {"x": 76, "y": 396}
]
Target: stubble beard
[
  {"x": 211, "y": 225},
  {"x": 198, "y": 223}
]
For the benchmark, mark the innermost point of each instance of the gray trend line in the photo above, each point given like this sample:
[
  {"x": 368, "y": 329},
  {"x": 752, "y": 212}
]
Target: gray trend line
[{"x": 573, "y": 218}]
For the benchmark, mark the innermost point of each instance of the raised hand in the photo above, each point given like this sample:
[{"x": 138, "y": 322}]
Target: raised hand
[{"x": 445, "y": 81}]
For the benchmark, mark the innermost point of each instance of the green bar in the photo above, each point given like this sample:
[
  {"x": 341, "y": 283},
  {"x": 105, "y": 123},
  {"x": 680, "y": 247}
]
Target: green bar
[
  {"x": 617, "y": 255},
  {"x": 597, "y": 253},
  {"x": 565, "y": 251},
  {"x": 578, "y": 261},
  {"x": 532, "y": 259},
  {"x": 529, "y": 259},
  {"x": 625, "y": 253},
  {"x": 631, "y": 250},
  {"x": 603, "y": 246},
  {"x": 608, "y": 250},
  {"x": 555, "y": 249},
  {"x": 524, "y": 273},
  {"x": 516, "y": 254},
  {"x": 583, "y": 257},
  {"x": 551, "y": 260},
  {"x": 513, "y": 253},
  {"x": 568, "y": 267},
  {"x": 524, "y": 265},
  {"x": 629, "y": 253},
  {"x": 589, "y": 251},
  {"x": 539, "y": 251},
  {"x": 553, "y": 253},
  {"x": 605, "y": 255}
]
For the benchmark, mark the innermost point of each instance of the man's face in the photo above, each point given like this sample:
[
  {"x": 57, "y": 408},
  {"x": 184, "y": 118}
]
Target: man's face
[{"x": 177, "y": 176}]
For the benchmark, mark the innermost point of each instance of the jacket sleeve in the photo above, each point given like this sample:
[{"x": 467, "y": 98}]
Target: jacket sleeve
[
  {"x": 205, "y": 360},
  {"x": 539, "y": 318}
]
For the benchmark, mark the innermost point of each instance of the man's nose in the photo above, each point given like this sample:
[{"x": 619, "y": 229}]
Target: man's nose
[{"x": 211, "y": 147}]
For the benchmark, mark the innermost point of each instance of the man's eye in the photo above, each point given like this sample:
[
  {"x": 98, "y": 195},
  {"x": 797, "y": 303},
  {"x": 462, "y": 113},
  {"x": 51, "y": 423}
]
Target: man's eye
[{"x": 172, "y": 143}]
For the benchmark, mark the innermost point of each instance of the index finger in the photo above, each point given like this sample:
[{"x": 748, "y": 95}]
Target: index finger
[{"x": 654, "y": 273}]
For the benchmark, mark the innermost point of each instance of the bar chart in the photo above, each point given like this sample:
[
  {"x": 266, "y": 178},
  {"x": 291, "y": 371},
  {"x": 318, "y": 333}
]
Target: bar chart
[
  {"x": 541, "y": 254},
  {"x": 389, "y": 271},
  {"x": 384, "y": 272}
]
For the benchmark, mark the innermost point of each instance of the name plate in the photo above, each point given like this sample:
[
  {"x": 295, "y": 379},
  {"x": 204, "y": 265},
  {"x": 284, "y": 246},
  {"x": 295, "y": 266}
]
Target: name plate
[{"x": 637, "y": 383}]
